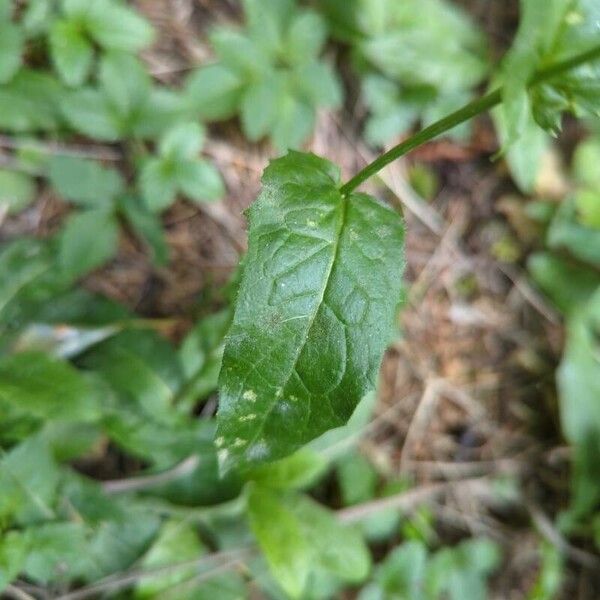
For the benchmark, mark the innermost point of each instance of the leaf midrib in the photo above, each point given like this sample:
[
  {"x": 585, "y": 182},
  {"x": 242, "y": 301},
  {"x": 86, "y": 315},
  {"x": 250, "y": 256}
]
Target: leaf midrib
[{"x": 342, "y": 222}]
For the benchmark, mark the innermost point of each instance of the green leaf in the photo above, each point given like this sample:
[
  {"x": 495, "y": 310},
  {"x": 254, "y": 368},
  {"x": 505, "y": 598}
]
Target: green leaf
[
  {"x": 259, "y": 106},
  {"x": 84, "y": 182},
  {"x": 125, "y": 82},
  {"x": 299, "y": 471},
  {"x": 47, "y": 387},
  {"x": 29, "y": 479},
  {"x": 200, "y": 181},
  {"x": 175, "y": 543},
  {"x": 158, "y": 183},
  {"x": 17, "y": 190},
  {"x": 115, "y": 26},
  {"x": 579, "y": 390},
  {"x": 182, "y": 142},
  {"x": 87, "y": 241},
  {"x": 200, "y": 355},
  {"x": 403, "y": 573},
  {"x": 318, "y": 84},
  {"x": 13, "y": 553},
  {"x": 293, "y": 124},
  {"x": 147, "y": 226},
  {"x": 337, "y": 548},
  {"x": 214, "y": 92},
  {"x": 140, "y": 366},
  {"x": 11, "y": 47},
  {"x": 565, "y": 232},
  {"x": 305, "y": 37},
  {"x": 90, "y": 113},
  {"x": 71, "y": 52},
  {"x": 56, "y": 551},
  {"x": 316, "y": 307},
  {"x": 585, "y": 163},
  {"x": 523, "y": 155},
  {"x": 31, "y": 101},
  {"x": 357, "y": 479},
  {"x": 280, "y": 536},
  {"x": 551, "y": 272}
]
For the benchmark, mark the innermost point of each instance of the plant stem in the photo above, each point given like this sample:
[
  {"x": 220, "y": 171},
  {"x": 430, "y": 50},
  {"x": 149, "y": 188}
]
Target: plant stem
[{"x": 463, "y": 114}]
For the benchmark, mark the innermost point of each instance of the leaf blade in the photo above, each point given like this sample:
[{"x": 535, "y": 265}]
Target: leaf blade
[{"x": 307, "y": 336}]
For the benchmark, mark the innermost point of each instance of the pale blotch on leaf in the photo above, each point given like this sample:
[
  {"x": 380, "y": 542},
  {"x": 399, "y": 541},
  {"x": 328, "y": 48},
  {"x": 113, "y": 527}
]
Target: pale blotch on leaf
[
  {"x": 249, "y": 395},
  {"x": 258, "y": 451},
  {"x": 239, "y": 442},
  {"x": 248, "y": 417},
  {"x": 219, "y": 441}
]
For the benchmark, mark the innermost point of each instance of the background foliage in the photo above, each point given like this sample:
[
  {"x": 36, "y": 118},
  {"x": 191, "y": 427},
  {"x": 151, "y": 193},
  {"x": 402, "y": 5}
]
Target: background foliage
[{"x": 113, "y": 470}]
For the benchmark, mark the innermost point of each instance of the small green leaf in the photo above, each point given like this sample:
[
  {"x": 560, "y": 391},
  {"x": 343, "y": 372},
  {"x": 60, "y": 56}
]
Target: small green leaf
[
  {"x": 200, "y": 181},
  {"x": 214, "y": 92},
  {"x": 84, "y": 182},
  {"x": 147, "y": 226},
  {"x": 71, "y": 52},
  {"x": 158, "y": 183},
  {"x": 87, "y": 241},
  {"x": 315, "y": 310},
  {"x": 47, "y": 387},
  {"x": 579, "y": 389},
  {"x": 294, "y": 122},
  {"x": 30, "y": 101},
  {"x": 586, "y": 161},
  {"x": 551, "y": 272},
  {"x": 403, "y": 572},
  {"x": 182, "y": 142},
  {"x": 357, "y": 479},
  {"x": 17, "y": 190},
  {"x": 175, "y": 543},
  {"x": 299, "y": 471},
  {"x": 89, "y": 112},
  {"x": 259, "y": 106},
  {"x": 11, "y": 47},
  {"x": 13, "y": 553},
  {"x": 116, "y": 26},
  {"x": 29, "y": 479},
  {"x": 306, "y": 36},
  {"x": 281, "y": 539},
  {"x": 56, "y": 551}
]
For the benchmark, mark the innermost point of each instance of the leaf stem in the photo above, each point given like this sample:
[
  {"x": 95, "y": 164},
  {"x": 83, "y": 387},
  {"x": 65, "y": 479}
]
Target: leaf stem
[{"x": 463, "y": 114}]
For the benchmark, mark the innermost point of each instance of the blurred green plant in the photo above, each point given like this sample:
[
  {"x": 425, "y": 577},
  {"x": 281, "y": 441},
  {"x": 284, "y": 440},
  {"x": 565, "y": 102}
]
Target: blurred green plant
[
  {"x": 404, "y": 80},
  {"x": 269, "y": 72}
]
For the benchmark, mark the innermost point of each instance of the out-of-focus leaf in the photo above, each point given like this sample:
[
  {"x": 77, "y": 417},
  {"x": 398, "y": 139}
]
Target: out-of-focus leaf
[
  {"x": 89, "y": 112},
  {"x": 337, "y": 548},
  {"x": 30, "y": 101},
  {"x": 147, "y": 226},
  {"x": 11, "y": 47},
  {"x": 301, "y": 470},
  {"x": 200, "y": 354},
  {"x": 112, "y": 24},
  {"x": 281, "y": 538},
  {"x": 13, "y": 553},
  {"x": 566, "y": 233},
  {"x": 176, "y": 542},
  {"x": 62, "y": 341},
  {"x": 84, "y": 182},
  {"x": 214, "y": 92},
  {"x": 29, "y": 479},
  {"x": 88, "y": 239},
  {"x": 585, "y": 163},
  {"x": 579, "y": 390},
  {"x": 552, "y": 272},
  {"x": 140, "y": 366},
  {"x": 71, "y": 52},
  {"x": 357, "y": 479},
  {"x": 17, "y": 191},
  {"x": 47, "y": 387}
]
